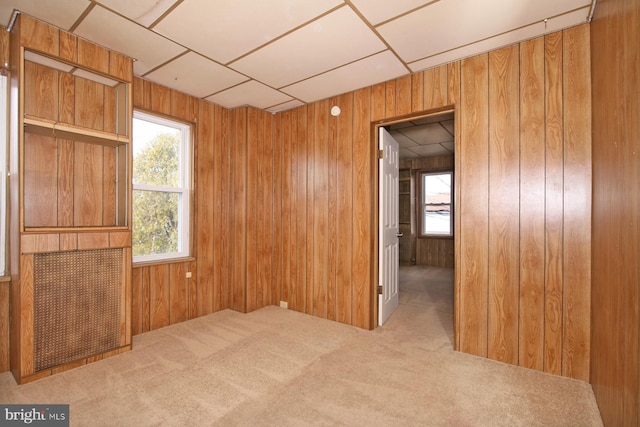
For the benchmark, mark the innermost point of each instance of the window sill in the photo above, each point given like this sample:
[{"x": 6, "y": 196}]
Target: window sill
[
  {"x": 436, "y": 237},
  {"x": 163, "y": 261}
]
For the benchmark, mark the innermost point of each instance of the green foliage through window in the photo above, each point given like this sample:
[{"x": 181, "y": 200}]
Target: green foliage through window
[{"x": 160, "y": 189}]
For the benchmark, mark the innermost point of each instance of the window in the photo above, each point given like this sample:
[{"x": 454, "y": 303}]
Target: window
[
  {"x": 3, "y": 171},
  {"x": 436, "y": 217},
  {"x": 161, "y": 188}
]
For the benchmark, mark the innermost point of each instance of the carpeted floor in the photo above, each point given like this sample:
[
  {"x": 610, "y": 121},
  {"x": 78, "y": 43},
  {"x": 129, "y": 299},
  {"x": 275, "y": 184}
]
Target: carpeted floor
[{"x": 277, "y": 367}]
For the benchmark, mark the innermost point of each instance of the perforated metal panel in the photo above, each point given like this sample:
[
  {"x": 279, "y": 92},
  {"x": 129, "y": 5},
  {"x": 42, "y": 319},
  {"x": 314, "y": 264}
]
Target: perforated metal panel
[{"x": 76, "y": 305}]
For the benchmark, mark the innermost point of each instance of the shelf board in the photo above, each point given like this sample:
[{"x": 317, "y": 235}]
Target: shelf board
[{"x": 54, "y": 129}]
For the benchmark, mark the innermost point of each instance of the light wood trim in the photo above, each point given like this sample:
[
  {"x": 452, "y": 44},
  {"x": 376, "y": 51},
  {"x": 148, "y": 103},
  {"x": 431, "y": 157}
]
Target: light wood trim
[{"x": 59, "y": 130}]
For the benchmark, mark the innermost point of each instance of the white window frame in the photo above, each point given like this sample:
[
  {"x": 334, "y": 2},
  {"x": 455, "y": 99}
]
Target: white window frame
[
  {"x": 4, "y": 122},
  {"x": 184, "y": 189},
  {"x": 421, "y": 205}
]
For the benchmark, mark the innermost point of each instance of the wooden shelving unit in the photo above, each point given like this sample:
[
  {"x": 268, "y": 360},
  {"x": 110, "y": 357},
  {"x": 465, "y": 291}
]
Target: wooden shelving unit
[{"x": 70, "y": 162}]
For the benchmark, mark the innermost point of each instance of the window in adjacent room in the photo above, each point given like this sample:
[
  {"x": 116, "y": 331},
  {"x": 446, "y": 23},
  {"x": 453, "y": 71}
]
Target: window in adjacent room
[
  {"x": 161, "y": 188},
  {"x": 436, "y": 203}
]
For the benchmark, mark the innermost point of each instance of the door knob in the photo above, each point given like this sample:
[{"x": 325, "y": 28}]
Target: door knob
[{"x": 399, "y": 234}]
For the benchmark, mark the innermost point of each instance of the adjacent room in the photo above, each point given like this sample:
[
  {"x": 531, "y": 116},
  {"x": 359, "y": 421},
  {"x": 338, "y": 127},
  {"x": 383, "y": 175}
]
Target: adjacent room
[{"x": 338, "y": 212}]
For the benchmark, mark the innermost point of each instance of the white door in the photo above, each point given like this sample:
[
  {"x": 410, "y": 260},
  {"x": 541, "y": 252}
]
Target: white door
[{"x": 389, "y": 229}]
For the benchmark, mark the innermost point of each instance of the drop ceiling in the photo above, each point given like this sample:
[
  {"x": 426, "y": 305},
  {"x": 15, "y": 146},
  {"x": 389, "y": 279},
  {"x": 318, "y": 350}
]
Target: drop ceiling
[{"x": 279, "y": 54}]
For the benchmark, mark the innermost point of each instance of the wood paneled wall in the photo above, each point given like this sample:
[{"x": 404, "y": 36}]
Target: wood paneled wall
[
  {"x": 615, "y": 350},
  {"x": 285, "y": 204},
  {"x": 524, "y": 183},
  {"x": 233, "y": 202},
  {"x": 523, "y": 166}
]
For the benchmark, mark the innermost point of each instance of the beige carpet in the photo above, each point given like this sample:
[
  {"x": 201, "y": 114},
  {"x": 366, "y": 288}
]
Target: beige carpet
[{"x": 276, "y": 367}]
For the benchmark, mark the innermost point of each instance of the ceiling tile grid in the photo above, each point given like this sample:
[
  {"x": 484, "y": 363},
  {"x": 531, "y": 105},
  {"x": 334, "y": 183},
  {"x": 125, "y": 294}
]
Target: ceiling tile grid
[{"x": 279, "y": 54}]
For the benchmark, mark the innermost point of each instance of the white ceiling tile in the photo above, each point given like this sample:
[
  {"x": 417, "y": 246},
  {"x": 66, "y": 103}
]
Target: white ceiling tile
[
  {"x": 249, "y": 93},
  {"x": 432, "y": 133},
  {"x": 61, "y": 13},
  {"x": 403, "y": 141},
  {"x": 285, "y": 106},
  {"x": 405, "y": 153},
  {"x": 145, "y": 12},
  {"x": 555, "y": 24},
  {"x": 377, "y": 11},
  {"x": 430, "y": 150},
  {"x": 110, "y": 30},
  {"x": 451, "y": 146},
  {"x": 226, "y": 29},
  {"x": 449, "y": 125},
  {"x": 366, "y": 72},
  {"x": 336, "y": 39},
  {"x": 195, "y": 75},
  {"x": 464, "y": 22}
]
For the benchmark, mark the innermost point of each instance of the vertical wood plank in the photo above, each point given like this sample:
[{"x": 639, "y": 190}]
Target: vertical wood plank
[
  {"x": 160, "y": 97},
  {"x": 220, "y": 208},
  {"x": 503, "y": 204},
  {"x": 435, "y": 87},
  {"x": 66, "y": 107},
  {"x": 178, "y": 292},
  {"x": 285, "y": 208},
  {"x": 344, "y": 228},
  {"x": 310, "y": 208},
  {"x": 92, "y": 56},
  {"x": 68, "y": 46},
  {"x": 120, "y": 66},
  {"x": 110, "y": 109},
  {"x": 554, "y": 184},
  {"x": 378, "y": 102},
  {"x": 252, "y": 214},
  {"x": 206, "y": 212},
  {"x": 321, "y": 213},
  {"x": 403, "y": 95},
  {"x": 146, "y": 299},
  {"x": 109, "y": 197},
  {"x": 417, "y": 92},
  {"x": 278, "y": 226},
  {"x": 332, "y": 218},
  {"x": 89, "y": 108},
  {"x": 474, "y": 204},
  {"x": 193, "y": 290},
  {"x": 239, "y": 180},
  {"x": 26, "y": 316},
  {"x": 40, "y": 181},
  {"x": 532, "y": 203},
  {"x": 159, "y": 290},
  {"x": 41, "y": 94},
  {"x": 361, "y": 303},
  {"x": 38, "y": 35},
  {"x": 390, "y": 100},
  {"x": 293, "y": 211},
  {"x": 136, "y": 301},
  {"x": 577, "y": 203},
  {"x": 301, "y": 185},
  {"x": 264, "y": 234},
  {"x": 88, "y": 179}
]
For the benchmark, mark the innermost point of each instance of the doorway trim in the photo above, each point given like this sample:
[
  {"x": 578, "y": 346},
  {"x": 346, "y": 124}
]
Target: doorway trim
[{"x": 375, "y": 125}]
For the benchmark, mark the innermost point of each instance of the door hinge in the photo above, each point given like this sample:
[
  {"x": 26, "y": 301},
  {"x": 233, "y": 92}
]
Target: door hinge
[
  {"x": 381, "y": 154},
  {"x": 379, "y": 289}
]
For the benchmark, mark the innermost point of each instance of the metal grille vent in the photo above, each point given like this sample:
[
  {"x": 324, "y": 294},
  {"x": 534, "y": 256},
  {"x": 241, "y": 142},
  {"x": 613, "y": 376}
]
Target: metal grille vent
[{"x": 76, "y": 305}]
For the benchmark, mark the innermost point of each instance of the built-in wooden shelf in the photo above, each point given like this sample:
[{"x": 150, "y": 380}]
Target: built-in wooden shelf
[{"x": 55, "y": 129}]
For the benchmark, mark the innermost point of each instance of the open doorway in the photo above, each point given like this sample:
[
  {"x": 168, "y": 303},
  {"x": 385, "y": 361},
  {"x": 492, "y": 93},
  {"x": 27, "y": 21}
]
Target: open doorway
[{"x": 426, "y": 171}]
